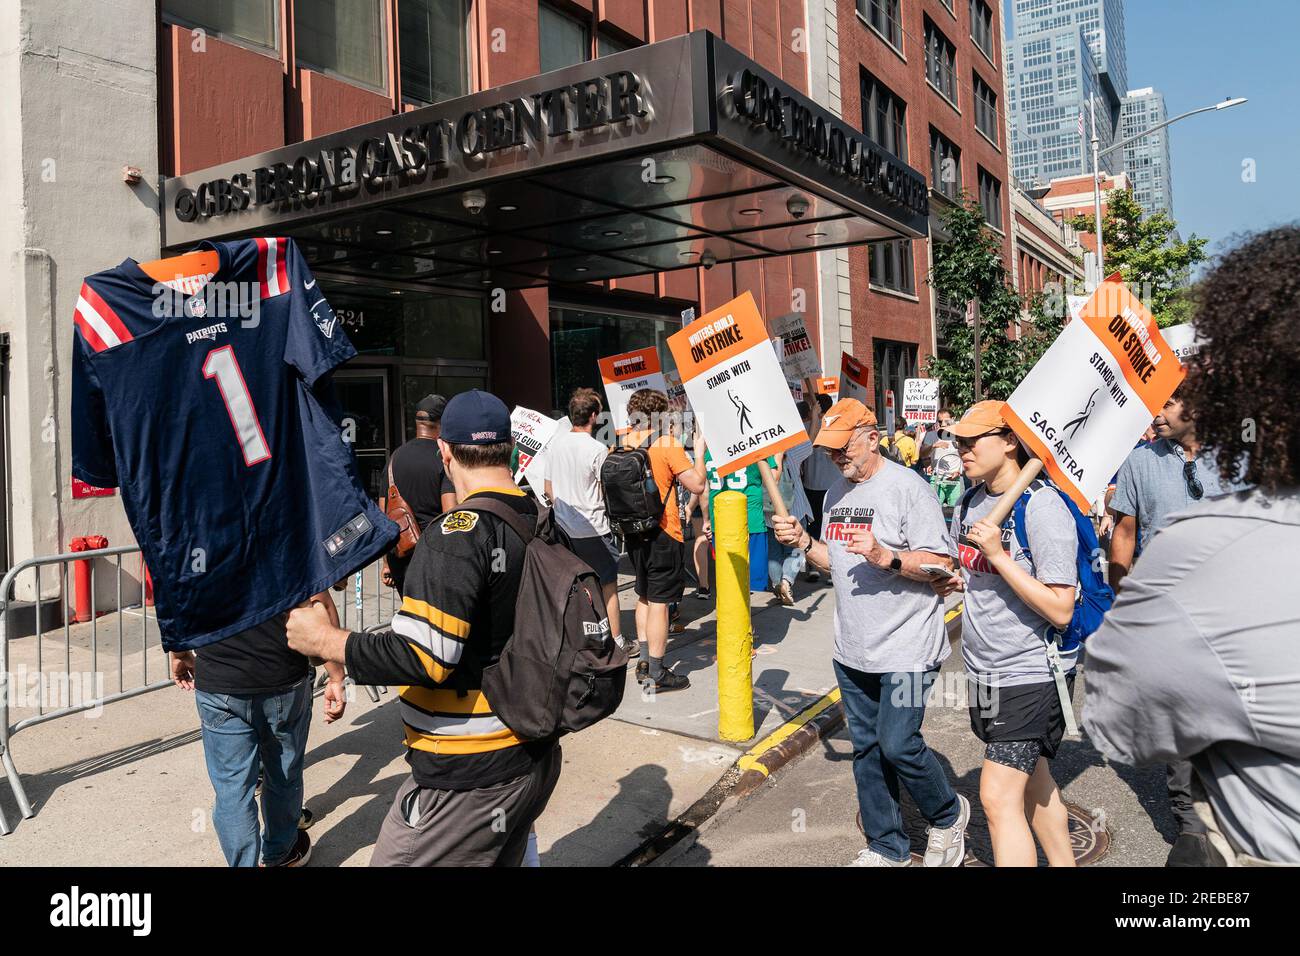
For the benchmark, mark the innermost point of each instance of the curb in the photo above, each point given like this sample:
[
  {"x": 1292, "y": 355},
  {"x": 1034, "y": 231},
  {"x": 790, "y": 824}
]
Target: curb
[{"x": 792, "y": 739}]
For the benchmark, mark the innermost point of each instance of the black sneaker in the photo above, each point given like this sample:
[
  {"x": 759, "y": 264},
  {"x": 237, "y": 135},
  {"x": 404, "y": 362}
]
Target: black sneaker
[
  {"x": 306, "y": 820},
  {"x": 669, "y": 681},
  {"x": 642, "y": 671},
  {"x": 1193, "y": 849},
  {"x": 299, "y": 855},
  {"x": 704, "y": 594}
]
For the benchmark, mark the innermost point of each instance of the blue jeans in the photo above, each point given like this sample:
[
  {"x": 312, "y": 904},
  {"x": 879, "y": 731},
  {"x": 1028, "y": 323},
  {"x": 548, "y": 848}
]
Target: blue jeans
[
  {"x": 758, "y": 561},
  {"x": 241, "y": 733},
  {"x": 884, "y": 714},
  {"x": 783, "y": 563}
]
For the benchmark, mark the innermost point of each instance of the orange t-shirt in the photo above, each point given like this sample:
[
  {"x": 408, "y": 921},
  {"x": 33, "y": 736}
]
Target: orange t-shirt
[{"x": 667, "y": 458}]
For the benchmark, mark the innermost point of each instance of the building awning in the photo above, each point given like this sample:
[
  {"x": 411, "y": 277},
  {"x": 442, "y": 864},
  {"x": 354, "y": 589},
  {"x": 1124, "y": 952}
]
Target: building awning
[{"x": 677, "y": 154}]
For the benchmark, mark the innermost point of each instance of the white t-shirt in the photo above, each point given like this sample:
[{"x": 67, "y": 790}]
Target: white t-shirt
[{"x": 573, "y": 461}]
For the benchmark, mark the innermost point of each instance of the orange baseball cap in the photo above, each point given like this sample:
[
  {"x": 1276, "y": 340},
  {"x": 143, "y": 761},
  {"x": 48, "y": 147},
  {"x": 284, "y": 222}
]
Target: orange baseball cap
[
  {"x": 840, "y": 420},
  {"x": 980, "y": 418}
]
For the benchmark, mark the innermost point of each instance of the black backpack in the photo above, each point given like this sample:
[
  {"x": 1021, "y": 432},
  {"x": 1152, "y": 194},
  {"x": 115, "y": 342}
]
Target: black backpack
[
  {"x": 632, "y": 500},
  {"x": 561, "y": 670}
]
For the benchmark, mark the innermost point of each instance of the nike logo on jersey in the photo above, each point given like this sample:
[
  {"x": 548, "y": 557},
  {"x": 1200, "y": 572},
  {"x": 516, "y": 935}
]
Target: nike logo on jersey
[
  {"x": 209, "y": 333},
  {"x": 309, "y": 285}
]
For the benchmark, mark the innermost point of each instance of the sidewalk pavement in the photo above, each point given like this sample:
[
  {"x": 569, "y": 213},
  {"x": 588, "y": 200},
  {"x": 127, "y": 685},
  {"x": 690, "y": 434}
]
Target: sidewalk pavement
[{"x": 127, "y": 785}]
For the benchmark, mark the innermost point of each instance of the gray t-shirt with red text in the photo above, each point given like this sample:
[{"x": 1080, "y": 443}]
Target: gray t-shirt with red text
[
  {"x": 1002, "y": 637},
  {"x": 883, "y": 621}
]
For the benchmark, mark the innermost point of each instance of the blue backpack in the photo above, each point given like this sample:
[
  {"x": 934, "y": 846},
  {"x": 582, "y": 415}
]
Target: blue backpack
[{"x": 1095, "y": 595}]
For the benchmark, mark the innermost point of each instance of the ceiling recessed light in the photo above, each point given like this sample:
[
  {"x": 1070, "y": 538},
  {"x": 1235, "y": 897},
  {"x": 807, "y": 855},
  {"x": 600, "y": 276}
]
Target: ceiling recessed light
[
  {"x": 664, "y": 180},
  {"x": 494, "y": 252},
  {"x": 485, "y": 281},
  {"x": 751, "y": 211},
  {"x": 580, "y": 269},
  {"x": 396, "y": 291},
  {"x": 507, "y": 208},
  {"x": 612, "y": 232},
  {"x": 687, "y": 254},
  {"x": 816, "y": 235},
  {"x": 383, "y": 232}
]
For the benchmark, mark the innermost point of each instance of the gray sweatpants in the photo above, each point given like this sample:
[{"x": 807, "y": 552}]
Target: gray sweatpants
[{"x": 487, "y": 827}]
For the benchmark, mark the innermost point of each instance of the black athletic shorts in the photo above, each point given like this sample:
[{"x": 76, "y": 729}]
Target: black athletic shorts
[
  {"x": 657, "y": 562},
  {"x": 1019, "y": 724}
]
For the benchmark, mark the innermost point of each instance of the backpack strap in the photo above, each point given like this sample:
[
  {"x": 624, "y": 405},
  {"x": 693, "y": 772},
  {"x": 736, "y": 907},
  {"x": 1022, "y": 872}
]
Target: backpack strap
[
  {"x": 506, "y": 513},
  {"x": 965, "y": 502}
]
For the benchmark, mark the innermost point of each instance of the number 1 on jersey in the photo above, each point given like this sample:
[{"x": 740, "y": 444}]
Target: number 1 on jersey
[{"x": 222, "y": 365}]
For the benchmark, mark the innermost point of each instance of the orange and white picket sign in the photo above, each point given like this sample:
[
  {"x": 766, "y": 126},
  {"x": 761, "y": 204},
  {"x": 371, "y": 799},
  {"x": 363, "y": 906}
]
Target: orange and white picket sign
[
  {"x": 736, "y": 386},
  {"x": 853, "y": 380},
  {"x": 1090, "y": 397},
  {"x": 626, "y": 373}
]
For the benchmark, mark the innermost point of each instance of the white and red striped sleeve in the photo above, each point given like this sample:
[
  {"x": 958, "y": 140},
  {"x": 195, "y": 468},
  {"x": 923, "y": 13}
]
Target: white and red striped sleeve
[
  {"x": 272, "y": 267},
  {"x": 100, "y": 326}
]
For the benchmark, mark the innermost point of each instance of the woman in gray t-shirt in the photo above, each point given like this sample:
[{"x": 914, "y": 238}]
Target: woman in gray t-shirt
[{"x": 1014, "y": 596}]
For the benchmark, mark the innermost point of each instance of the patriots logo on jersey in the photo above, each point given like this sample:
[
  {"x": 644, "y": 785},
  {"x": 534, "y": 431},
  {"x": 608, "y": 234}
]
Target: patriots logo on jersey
[{"x": 326, "y": 326}]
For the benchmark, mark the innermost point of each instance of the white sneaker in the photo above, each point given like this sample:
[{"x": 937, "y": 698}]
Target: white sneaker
[
  {"x": 869, "y": 857},
  {"x": 947, "y": 845}
]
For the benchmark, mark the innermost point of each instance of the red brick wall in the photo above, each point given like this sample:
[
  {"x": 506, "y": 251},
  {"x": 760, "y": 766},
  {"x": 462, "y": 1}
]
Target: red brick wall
[{"x": 881, "y": 314}]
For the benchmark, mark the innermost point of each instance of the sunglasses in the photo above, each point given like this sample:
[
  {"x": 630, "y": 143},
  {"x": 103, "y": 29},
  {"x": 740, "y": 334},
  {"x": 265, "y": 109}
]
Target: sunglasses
[
  {"x": 1194, "y": 487},
  {"x": 966, "y": 444}
]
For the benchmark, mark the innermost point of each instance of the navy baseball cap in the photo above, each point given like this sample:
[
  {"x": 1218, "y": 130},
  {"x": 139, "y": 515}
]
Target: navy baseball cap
[{"x": 475, "y": 418}]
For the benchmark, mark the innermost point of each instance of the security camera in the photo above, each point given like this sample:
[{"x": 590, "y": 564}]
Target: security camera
[
  {"x": 474, "y": 201},
  {"x": 708, "y": 260},
  {"x": 797, "y": 206}
]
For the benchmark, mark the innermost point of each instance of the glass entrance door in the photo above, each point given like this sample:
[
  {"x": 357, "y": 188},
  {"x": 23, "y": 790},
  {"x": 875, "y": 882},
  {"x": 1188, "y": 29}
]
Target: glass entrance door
[
  {"x": 445, "y": 380},
  {"x": 363, "y": 394}
]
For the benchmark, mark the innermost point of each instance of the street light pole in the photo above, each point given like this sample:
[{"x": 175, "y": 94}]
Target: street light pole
[
  {"x": 1096, "y": 187},
  {"x": 1096, "y": 159}
]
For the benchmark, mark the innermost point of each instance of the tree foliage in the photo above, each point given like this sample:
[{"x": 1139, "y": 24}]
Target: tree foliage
[
  {"x": 968, "y": 265},
  {"x": 1144, "y": 252}
]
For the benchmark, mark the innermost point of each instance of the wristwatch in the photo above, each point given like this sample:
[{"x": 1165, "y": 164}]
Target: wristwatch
[{"x": 897, "y": 563}]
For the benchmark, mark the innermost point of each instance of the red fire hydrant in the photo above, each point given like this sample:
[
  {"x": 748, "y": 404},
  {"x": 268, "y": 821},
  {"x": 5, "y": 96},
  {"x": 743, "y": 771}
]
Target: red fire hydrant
[{"x": 81, "y": 574}]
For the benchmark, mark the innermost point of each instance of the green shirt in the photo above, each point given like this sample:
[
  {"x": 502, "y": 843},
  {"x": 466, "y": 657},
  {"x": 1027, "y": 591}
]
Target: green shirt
[{"x": 749, "y": 480}]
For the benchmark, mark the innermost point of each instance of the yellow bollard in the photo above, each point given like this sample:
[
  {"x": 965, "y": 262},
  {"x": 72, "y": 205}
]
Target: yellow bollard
[{"x": 735, "y": 637}]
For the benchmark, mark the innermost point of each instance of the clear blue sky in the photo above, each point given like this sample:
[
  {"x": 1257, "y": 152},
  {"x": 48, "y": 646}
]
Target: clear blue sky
[{"x": 1199, "y": 52}]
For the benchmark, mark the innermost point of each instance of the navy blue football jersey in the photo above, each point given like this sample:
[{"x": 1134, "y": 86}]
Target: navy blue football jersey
[{"x": 210, "y": 405}]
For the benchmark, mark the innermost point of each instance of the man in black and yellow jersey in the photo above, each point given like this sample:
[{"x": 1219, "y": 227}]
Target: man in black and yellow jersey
[{"x": 475, "y": 788}]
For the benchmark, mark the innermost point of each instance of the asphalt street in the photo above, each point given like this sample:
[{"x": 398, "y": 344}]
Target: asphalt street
[{"x": 806, "y": 814}]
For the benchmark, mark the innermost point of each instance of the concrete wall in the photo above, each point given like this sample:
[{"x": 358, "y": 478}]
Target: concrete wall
[{"x": 80, "y": 103}]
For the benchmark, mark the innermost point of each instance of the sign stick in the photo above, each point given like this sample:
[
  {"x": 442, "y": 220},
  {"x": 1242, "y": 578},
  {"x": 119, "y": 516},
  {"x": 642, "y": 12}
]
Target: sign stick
[
  {"x": 1012, "y": 494},
  {"x": 773, "y": 490}
]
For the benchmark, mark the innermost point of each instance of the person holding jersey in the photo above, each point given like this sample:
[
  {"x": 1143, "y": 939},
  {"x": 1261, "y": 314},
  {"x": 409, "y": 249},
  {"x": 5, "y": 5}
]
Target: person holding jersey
[{"x": 1014, "y": 596}]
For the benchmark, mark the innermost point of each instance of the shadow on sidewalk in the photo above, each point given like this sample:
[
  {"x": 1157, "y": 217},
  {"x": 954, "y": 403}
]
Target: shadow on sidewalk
[{"x": 640, "y": 809}]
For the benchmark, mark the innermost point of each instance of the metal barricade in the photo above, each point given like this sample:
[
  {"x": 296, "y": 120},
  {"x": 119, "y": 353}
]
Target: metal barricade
[{"x": 360, "y": 608}]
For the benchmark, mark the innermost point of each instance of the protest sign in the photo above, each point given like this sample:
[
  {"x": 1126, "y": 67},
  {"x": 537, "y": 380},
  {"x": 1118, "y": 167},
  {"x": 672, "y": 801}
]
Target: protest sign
[
  {"x": 531, "y": 432},
  {"x": 920, "y": 400},
  {"x": 798, "y": 357},
  {"x": 624, "y": 374},
  {"x": 1090, "y": 397},
  {"x": 853, "y": 380},
  {"x": 827, "y": 385},
  {"x": 736, "y": 387},
  {"x": 1183, "y": 340}
]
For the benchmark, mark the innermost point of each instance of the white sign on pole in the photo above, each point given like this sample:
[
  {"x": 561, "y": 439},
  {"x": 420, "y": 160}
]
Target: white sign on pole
[
  {"x": 920, "y": 401},
  {"x": 798, "y": 357},
  {"x": 532, "y": 432},
  {"x": 736, "y": 387},
  {"x": 1095, "y": 390},
  {"x": 1183, "y": 340},
  {"x": 627, "y": 373}
]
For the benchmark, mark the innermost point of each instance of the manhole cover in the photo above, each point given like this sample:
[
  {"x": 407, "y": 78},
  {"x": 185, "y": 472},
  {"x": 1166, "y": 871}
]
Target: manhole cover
[{"x": 1088, "y": 835}]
